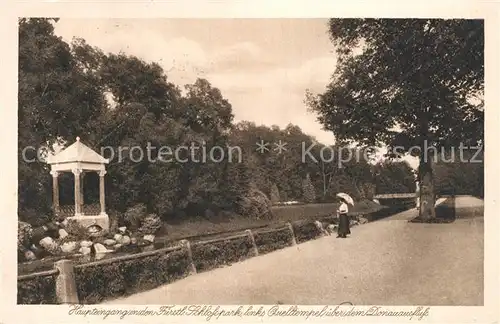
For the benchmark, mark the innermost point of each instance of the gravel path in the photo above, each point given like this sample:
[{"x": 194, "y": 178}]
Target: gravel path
[{"x": 388, "y": 262}]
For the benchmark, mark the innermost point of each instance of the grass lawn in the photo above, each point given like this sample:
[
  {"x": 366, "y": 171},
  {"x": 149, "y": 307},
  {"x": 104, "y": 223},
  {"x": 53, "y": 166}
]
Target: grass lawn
[{"x": 282, "y": 214}]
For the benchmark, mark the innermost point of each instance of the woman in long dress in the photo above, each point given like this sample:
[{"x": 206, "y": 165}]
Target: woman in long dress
[{"x": 343, "y": 228}]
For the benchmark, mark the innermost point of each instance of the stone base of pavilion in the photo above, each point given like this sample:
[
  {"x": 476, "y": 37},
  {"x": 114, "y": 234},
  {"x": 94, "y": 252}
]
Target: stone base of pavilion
[{"x": 101, "y": 220}]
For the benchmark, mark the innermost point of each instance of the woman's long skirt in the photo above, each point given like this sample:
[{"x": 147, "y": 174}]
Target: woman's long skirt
[{"x": 343, "y": 228}]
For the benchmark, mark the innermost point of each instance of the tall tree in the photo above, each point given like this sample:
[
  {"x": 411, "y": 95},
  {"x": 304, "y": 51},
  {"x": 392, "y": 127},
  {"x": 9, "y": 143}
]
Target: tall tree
[
  {"x": 58, "y": 100},
  {"x": 394, "y": 177},
  {"x": 308, "y": 190},
  {"x": 406, "y": 83},
  {"x": 275, "y": 194}
]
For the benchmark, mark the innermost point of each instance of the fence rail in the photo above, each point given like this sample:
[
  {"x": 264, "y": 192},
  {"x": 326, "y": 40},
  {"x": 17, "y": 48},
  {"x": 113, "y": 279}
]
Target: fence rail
[
  {"x": 130, "y": 257},
  {"x": 46, "y": 273},
  {"x": 222, "y": 239},
  {"x": 63, "y": 271},
  {"x": 278, "y": 229}
]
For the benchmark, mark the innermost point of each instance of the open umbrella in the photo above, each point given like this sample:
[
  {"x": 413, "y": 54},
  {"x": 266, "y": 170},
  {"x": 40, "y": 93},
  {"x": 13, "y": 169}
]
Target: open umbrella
[{"x": 346, "y": 197}]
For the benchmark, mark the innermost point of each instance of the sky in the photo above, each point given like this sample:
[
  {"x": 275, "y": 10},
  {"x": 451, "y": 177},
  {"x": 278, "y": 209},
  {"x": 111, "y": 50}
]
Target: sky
[{"x": 262, "y": 66}]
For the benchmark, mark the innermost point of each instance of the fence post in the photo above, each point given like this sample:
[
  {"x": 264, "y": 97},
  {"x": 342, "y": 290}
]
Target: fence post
[
  {"x": 252, "y": 239},
  {"x": 187, "y": 245},
  {"x": 66, "y": 292},
  {"x": 294, "y": 241}
]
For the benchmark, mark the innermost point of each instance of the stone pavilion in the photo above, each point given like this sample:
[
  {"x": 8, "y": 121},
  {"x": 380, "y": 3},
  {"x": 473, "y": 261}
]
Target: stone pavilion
[{"x": 79, "y": 159}]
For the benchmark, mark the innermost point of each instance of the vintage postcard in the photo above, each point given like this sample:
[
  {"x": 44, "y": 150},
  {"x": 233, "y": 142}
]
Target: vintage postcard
[{"x": 250, "y": 162}]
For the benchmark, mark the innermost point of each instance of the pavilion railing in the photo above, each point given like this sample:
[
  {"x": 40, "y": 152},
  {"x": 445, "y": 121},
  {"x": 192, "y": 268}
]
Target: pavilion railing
[
  {"x": 69, "y": 210},
  {"x": 93, "y": 209}
]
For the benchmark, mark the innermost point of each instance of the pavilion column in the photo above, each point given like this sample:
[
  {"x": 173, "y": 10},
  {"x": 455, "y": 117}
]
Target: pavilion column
[
  {"x": 82, "y": 200},
  {"x": 55, "y": 191},
  {"x": 77, "y": 173},
  {"x": 101, "y": 191}
]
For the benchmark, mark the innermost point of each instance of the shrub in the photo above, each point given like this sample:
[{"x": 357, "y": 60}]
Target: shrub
[
  {"x": 35, "y": 217},
  {"x": 115, "y": 220},
  {"x": 211, "y": 255},
  {"x": 305, "y": 231},
  {"x": 271, "y": 241},
  {"x": 134, "y": 216},
  {"x": 255, "y": 205},
  {"x": 150, "y": 224},
  {"x": 275, "y": 194},
  {"x": 308, "y": 191},
  {"x": 39, "y": 290},
  {"x": 76, "y": 232},
  {"x": 111, "y": 280}
]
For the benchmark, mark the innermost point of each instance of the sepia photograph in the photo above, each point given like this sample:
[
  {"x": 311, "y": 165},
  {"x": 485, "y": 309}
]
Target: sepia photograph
[{"x": 284, "y": 161}]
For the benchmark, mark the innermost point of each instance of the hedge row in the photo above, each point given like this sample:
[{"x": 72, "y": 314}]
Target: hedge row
[
  {"x": 111, "y": 280},
  {"x": 271, "y": 241},
  {"x": 207, "y": 256},
  {"x": 38, "y": 290}
]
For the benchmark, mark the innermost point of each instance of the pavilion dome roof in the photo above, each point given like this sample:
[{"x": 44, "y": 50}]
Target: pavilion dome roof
[{"x": 77, "y": 152}]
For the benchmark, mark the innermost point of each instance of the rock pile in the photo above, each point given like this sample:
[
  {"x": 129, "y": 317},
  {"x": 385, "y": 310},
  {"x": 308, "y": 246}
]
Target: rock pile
[{"x": 37, "y": 243}]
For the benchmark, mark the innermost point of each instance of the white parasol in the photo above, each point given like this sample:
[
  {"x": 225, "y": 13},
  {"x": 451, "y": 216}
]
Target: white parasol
[{"x": 346, "y": 197}]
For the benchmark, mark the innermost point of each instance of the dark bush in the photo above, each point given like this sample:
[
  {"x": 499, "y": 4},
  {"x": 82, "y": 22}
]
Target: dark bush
[
  {"x": 255, "y": 205},
  {"x": 305, "y": 231},
  {"x": 271, "y": 241},
  {"x": 39, "y": 290},
  {"x": 111, "y": 280},
  {"x": 211, "y": 255},
  {"x": 134, "y": 216}
]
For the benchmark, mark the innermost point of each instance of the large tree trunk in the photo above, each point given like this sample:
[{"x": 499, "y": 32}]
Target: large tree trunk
[{"x": 426, "y": 180}]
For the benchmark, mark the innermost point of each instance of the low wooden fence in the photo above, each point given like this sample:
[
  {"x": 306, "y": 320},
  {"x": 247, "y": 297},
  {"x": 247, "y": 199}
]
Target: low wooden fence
[
  {"x": 93, "y": 282},
  {"x": 62, "y": 286}
]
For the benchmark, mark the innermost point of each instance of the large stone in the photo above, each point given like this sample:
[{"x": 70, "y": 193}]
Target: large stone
[
  {"x": 149, "y": 238},
  {"x": 84, "y": 250},
  {"x": 29, "y": 256},
  {"x": 331, "y": 228},
  {"x": 95, "y": 230},
  {"x": 99, "y": 248},
  {"x": 69, "y": 247},
  {"x": 320, "y": 228},
  {"x": 63, "y": 233},
  {"x": 109, "y": 242},
  {"x": 117, "y": 237},
  {"x": 86, "y": 244},
  {"x": 125, "y": 240},
  {"x": 353, "y": 222},
  {"x": 49, "y": 245}
]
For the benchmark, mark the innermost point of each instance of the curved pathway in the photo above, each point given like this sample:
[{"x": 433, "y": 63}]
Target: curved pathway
[{"x": 387, "y": 262}]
